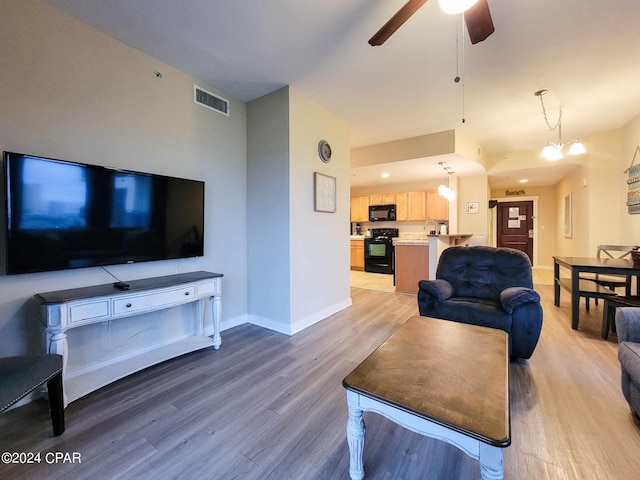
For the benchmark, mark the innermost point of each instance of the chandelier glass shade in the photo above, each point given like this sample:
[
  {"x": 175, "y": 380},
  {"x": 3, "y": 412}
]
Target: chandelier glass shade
[
  {"x": 444, "y": 190},
  {"x": 456, "y": 6}
]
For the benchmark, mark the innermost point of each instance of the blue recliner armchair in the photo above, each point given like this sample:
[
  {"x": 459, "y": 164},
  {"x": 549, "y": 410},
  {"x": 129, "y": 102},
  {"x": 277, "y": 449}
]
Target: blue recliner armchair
[
  {"x": 628, "y": 329},
  {"x": 486, "y": 286}
]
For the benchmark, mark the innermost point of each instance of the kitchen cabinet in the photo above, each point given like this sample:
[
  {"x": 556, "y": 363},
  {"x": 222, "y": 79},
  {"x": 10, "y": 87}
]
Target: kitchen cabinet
[
  {"x": 360, "y": 208},
  {"x": 411, "y": 266},
  {"x": 357, "y": 254},
  {"x": 401, "y": 207},
  {"x": 416, "y": 206},
  {"x": 437, "y": 206},
  {"x": 382, "y": 199}
]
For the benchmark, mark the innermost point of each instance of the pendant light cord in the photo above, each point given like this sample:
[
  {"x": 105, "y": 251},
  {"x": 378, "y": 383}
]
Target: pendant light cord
[{"x": 544, "y": 112}]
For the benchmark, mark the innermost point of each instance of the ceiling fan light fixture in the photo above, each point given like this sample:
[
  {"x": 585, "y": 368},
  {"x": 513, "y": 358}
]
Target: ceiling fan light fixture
[{"x": 456, "y": 6}]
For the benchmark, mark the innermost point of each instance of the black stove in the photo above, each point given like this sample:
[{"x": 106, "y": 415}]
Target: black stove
[{"x": 378, "y": 250}]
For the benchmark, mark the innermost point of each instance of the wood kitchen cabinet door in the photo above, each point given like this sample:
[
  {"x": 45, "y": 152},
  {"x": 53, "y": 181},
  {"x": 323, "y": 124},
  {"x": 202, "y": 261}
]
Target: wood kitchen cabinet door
[
  {"x": 360, "y": 209},
  {"x": 437, "y": 206},
  {"x": 401, "y": 207},
  {"x": 382, "y": 199},
  {"x": 416, "y": 206},
  {"x": 357, "y": 254}
]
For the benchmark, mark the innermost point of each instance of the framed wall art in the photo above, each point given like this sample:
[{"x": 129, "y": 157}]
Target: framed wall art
[{"x": 324, "y": 193}]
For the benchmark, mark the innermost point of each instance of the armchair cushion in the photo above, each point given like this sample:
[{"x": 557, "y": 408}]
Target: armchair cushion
[
  {"x": 513, "y": 297},
  {"x": 441, "y": 289},
  {"x": 628, "y": 329},
  {"x": 486, "y": 286}
]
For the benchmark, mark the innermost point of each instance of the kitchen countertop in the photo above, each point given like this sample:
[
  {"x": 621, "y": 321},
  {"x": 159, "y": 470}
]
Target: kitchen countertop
[
  {"x": 423, "y": 239},
  {"x": 357, "y": 237}
]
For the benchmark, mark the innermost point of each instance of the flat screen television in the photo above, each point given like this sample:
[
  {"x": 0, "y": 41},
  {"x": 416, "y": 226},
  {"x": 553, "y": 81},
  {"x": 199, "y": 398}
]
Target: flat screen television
[{"x": 62, "y": 215}]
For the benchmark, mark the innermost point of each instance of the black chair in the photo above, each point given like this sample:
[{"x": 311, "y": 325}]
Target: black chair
[
  {"x": 610, "y": 282},
  {"x": 21, "y": 375}
]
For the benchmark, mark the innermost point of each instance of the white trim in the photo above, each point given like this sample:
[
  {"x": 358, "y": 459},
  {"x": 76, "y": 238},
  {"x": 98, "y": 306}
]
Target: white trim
[
  {"x": 229, "y": 323},
  {"x": 494, "y": 222},
  {"x": 269, "y": 324},
  {"x": 297, "y": 326}
]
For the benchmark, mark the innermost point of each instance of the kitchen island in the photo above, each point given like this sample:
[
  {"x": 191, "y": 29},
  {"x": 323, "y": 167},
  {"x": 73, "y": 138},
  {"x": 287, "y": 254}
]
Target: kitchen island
[{"x": 416, "y": 257}]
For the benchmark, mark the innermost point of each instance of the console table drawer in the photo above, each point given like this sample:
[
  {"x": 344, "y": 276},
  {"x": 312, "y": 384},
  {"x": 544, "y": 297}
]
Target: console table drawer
[
  {"x": 141, "y": 303},
  {"x": 88, "y": 311}
]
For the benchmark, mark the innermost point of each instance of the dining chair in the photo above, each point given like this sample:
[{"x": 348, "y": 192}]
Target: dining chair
[{"x": 611, "y": 281}]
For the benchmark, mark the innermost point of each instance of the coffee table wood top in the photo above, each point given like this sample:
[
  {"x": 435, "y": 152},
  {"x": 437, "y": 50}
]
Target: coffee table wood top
[{"x": 451, "y": 373}]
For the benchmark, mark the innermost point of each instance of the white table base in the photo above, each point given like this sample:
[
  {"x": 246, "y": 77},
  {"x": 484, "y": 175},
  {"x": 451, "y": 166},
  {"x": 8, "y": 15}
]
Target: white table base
[{"x": 490, "y": 457}]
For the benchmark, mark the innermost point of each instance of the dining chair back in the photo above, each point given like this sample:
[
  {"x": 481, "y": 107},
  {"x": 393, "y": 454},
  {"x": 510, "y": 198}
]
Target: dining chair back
[
  {"x": 614, "y": 251},
  {"x": 610, "y": 282}
]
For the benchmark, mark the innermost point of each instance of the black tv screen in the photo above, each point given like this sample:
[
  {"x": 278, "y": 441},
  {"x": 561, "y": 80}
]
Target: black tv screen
[{"x": 62, "y": 215}]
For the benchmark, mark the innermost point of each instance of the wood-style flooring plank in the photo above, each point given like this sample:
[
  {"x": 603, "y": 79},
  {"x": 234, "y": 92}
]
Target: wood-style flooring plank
[{"x": 269, "y": 406}]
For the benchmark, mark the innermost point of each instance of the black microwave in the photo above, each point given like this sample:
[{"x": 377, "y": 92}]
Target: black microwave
[{"x": 382, "y": 213}]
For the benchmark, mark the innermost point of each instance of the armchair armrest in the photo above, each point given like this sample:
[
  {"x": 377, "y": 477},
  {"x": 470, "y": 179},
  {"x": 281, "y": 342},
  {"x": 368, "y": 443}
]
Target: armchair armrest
[
  {"x": 441, "y": 289},
  {"x": 628, "y": 324},
  {"x": 511, "y": 298}
]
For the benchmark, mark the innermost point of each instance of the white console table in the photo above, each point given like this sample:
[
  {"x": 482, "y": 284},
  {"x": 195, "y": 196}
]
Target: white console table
[{"x": 65, "y": 309}]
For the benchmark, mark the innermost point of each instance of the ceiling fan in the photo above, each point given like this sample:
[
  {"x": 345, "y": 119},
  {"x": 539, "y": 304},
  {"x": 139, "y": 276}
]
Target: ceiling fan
[{"x": 477, "y": 17}]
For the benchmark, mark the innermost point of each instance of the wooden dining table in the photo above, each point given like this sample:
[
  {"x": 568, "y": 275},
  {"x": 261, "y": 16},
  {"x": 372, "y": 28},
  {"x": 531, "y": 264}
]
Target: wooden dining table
[{"x": 578, "y": 265}]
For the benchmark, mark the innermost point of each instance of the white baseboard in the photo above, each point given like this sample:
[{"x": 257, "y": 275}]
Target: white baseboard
[
  {"x": 232, "y": 322},
  {"x": 298, "y": 325},
  {"x": 269, "y": 324}
]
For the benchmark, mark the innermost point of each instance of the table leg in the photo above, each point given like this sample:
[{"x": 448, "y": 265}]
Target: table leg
[
  {"x": 216, "y": 313},
  {"x": 355, "y": 436},
  {"x": 57, "y": 343},
  {"x": 575, "y": 298},
  {"x": 556, "y": 284},
  {"x": 491, "y": 464}
]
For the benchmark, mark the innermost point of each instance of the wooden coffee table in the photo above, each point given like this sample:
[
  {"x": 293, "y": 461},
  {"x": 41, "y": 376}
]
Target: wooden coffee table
[{"x": 442, "y": 379}]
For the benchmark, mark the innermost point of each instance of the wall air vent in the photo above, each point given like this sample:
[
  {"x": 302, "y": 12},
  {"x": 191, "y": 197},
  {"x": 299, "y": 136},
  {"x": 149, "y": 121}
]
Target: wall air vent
[{"x": 210, "y": 100}]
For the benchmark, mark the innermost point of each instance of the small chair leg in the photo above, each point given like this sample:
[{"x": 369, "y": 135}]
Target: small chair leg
[
  {"x": 606, "y": 319},
  {"x": 586, "y": 303},
  {"x": 56, "y": 404}
]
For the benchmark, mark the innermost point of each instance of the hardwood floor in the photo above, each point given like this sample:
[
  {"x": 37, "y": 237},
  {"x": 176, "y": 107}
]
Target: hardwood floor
[{"x": 268, "y": 406}]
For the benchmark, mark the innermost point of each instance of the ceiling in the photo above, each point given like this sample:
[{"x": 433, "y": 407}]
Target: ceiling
[{"x": 585, "y": 52}]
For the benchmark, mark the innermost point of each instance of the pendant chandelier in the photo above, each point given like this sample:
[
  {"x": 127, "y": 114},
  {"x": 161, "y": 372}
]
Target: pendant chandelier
[
  {"x": 553, "y": 151},
  {"x": 444, "y": 190}
]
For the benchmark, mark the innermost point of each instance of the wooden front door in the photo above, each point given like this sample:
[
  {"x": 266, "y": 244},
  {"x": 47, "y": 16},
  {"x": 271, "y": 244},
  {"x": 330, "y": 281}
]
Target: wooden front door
[{"x": 515, "y": 226}]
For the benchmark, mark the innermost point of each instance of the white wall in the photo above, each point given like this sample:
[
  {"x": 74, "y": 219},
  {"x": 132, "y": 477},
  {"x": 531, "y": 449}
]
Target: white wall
[
  {"x": 598, "y": 209},
  {"x": 320, "y": 255},
  {"x": 268, "y": 218},
  {"x": 473, "y": 189},
  {"x": 629, "y": 227},
  {"x": 298, "y": 258},
  {"x": 68, "y": 91}
]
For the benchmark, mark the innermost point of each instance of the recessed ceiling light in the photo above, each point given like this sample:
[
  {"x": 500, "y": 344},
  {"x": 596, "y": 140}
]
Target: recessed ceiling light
[
  {"x": 524, "y": 180},
  {"x": 385, "y": 175}
]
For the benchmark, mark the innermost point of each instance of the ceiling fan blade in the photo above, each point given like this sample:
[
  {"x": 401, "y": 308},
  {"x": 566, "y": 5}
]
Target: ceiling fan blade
[
  {"x": 479, "y": 23},
  {"x": 396, "y": 22}
]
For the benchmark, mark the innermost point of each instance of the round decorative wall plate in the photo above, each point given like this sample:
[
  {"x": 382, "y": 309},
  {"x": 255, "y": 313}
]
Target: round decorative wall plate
[{"x": 324, "y": 150}]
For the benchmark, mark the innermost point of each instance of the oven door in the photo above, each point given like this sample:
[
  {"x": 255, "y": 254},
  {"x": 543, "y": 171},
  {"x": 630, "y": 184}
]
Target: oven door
[{"x": 378, "y": 256}]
